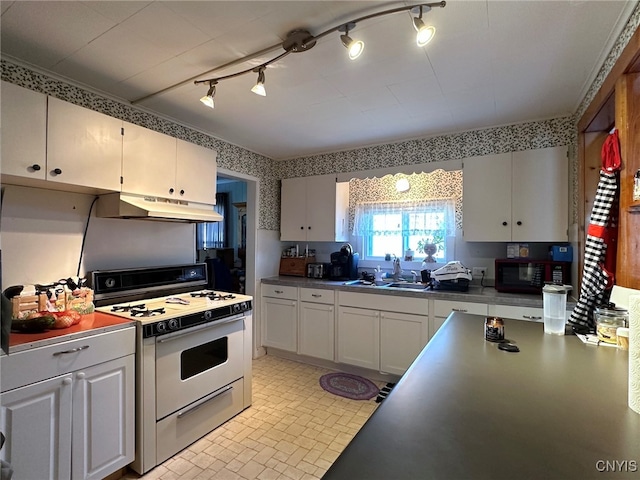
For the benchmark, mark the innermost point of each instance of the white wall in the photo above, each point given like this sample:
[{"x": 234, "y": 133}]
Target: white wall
[{"x": 42, "y": 237}]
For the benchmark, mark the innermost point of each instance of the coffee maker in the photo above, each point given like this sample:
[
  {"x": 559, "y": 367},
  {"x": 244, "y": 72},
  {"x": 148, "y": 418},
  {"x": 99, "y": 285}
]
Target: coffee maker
[{"x": 344, "y": 264}]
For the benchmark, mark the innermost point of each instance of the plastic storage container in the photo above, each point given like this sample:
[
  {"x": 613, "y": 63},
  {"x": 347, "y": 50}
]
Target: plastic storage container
[{"x": 554, "y": 303}]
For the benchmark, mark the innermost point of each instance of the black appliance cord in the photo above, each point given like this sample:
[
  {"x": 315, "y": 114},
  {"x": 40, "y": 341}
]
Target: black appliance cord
[{"x": 84, "y": 235}]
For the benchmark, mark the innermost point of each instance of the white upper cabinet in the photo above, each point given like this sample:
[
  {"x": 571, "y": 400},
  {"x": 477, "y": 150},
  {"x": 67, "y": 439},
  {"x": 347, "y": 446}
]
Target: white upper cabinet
[
  {"x": 314, "y": 209},
  {"x": 24, "y": 132},
  {"x": 148, "y": 162},
  {"x": 84, "y": 147},
  {"x": 196, "y": 172},
  {"x": 162, "y": 166},
  {"x": 520, "y": 196}
]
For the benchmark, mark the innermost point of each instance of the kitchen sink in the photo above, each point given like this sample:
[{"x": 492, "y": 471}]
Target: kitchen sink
[
  {"x": 366, "y": 283},
  {"x": 406, "y": 285}
]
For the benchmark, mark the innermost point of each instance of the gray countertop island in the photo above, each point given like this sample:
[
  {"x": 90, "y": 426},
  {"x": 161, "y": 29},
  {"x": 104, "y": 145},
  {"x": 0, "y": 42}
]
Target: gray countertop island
[{"x": 467, "y": 410}]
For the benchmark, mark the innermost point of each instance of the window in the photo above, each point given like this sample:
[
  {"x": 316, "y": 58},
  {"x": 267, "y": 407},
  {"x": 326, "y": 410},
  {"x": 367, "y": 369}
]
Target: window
[
  {"x": 214, "y": 234},
  {"x": 394, "y": 227}
]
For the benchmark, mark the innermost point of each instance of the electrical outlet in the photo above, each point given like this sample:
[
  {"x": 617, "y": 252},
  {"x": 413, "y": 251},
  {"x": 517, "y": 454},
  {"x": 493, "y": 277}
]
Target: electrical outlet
[{"x": 479, "y": 271}]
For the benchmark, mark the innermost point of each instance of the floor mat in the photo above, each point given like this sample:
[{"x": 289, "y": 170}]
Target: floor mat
[{"x": 349, "y": 386}]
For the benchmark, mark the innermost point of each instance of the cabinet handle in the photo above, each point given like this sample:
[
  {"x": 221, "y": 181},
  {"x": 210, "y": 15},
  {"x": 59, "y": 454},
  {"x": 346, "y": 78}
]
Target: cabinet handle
[
  {"x": 531, "y": 317},
  {"x": 301, "y": 227},
  {"x": 462, "y": 310},
  {"x": 73, "y": 350},
  {"x": 35, "y": 167},
  {"x": 518, "y": 223},
  {"x": 504, "y": 224},
  {"x": 56, "y": 171},
  {"x": 309, "y": 227},
  {"x": 191, "y": 408},
  {"x": 316, "y": 295},
  {"x": 171, "y": 190},
  {"x": 80, "y": 375},
  {"x": 181, "y": 192},
  {"x": 67, "y": 381},
  {"x": 278, "y": 291}
]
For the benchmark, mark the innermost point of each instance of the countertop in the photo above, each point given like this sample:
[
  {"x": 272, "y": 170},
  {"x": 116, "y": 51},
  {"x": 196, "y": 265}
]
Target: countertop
[
  {"x": 476, "y": 293},
  {"x": 465, "y": 409},
  {"x": 90, "y": 324}
]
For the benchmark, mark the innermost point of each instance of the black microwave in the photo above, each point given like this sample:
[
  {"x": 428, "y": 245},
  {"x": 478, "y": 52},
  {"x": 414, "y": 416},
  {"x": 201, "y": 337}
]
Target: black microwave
[{"x": 524, "y": 275}]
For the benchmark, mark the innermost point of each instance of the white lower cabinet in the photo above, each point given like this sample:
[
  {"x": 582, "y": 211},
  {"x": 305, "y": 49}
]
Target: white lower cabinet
[
  {"x": 279, "y": 308},
  {"x": 316, "y": 326},
  {"x": 401, "y": 340},
  {"x": 78, "y": 424},
  {"x": 519, "y": 313},
  {"x": 443, "y": 308},
  {"x": 381, "y": 332},
  {"x": 359, "y": 337}
]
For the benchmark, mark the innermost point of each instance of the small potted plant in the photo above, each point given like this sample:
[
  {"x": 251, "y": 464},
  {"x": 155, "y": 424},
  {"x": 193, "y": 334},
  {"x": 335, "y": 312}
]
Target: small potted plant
[{"x": 430, "y": 246}]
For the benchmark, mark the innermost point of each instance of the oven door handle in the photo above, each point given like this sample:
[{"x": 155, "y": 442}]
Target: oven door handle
[
  {"x": 202, "y": 401},
  {"x": 198, "y": 328}
]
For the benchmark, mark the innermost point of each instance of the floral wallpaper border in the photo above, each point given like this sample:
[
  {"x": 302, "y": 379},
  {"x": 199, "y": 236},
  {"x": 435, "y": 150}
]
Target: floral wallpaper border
[{"x": 530, "y": 135}]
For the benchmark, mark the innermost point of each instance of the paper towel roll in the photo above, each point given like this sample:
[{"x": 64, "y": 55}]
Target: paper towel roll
[{"x": 634, "y": 353}]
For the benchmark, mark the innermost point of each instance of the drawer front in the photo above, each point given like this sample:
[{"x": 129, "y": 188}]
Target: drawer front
[
  {"x": 531, "y": 314},
  {"x": 442, "y": 308},
  {"x": 389, "y": 303},
  {"x": 29, "y": 366},
  {"x": 279, "y": 291},
  {"x": 317, "y": 295}
]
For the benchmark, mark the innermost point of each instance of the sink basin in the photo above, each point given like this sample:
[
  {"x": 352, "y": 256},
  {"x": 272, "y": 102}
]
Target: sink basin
[
  {"x": 377, "y": 283},
  {"x": 411, "y": 286}
]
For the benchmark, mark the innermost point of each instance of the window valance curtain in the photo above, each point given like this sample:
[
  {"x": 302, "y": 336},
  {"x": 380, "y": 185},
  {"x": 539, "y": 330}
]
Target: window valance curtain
[{"x": 416, "y": 217}]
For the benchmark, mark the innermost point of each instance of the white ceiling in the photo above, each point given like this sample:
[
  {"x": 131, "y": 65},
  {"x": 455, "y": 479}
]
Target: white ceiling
[{"x": 491, "y": 63}]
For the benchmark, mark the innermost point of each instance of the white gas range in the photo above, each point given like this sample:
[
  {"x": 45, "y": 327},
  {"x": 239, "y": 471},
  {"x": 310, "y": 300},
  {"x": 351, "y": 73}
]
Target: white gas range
[{"x": 193, "y": 358}]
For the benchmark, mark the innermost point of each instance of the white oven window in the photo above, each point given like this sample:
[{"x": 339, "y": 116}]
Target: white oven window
[{"x": 203, "y": 357}]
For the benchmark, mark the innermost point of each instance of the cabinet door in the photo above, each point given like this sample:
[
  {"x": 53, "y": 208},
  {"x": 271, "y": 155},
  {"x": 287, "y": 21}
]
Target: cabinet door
[
  {"x": 36, "y": 421},
  {"x": 83, "y": 147},
  {"x": 540, "y": 195},
  {"x": 531, "y": 314},
  {"x": 280, "y": 328},
  {"x": 103, "y": 418},
  {"x": 402, "y": 338},
  {"x": 195, "y": 173},
  {"x": 321, "y": 208},
  {"x": 293, "y": 210},
  {"x": 316, "y": 330},
  {"x": 359, "y": 337},
  {"x": 148, "y": 162},
  {"x": 24, "y": 132},
  {"x": 486, "y": 207}
]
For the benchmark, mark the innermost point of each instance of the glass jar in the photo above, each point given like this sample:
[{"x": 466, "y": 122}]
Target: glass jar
[
  {"x": 493, "y": 329},
  {"x": 608, "y": 319}
]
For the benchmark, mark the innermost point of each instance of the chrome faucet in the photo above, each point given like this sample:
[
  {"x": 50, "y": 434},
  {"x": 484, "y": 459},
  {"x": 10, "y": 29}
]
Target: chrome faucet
[
  {"x": 397, "y": 270},
  {"x": 415, "y": 276}
]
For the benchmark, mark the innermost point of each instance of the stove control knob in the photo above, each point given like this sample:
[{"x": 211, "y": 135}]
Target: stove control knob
[
  {"x": 161, "y": 327},
  {"x": 245, "y": 307},
  {"x": 173, "y": 324},
  {"x": 236, "y": 307},
  {"x": 208, "y": 315}
]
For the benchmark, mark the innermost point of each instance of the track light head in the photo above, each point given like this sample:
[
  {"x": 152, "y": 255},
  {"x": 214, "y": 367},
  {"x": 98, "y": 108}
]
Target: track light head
[
  {"x": 425, "y": 34},
  {"x": 354, "y": 47},
  {"x": 208, "y": 98},
  {"x": 258, "y": 88}
]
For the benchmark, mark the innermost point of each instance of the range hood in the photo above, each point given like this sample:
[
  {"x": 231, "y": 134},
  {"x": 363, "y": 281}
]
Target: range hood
[{"x": 140, "y": 207}]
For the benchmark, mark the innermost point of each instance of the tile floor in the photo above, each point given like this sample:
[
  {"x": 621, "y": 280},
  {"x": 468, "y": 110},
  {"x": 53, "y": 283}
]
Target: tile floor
[{"x": 293, "y": 431}]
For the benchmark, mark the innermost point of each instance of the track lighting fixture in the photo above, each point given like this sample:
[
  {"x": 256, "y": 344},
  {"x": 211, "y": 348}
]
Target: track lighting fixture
[
  {"x": 301, "y": 40},
  {"x": 208, "y": 98},
  {"x": 354, "y": 47},
  {"x": 425, "y": 34},
  {"x": 258, "y": 88}
]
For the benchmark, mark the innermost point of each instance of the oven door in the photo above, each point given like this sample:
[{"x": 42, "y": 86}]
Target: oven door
[{"x": 194, "y": 362}]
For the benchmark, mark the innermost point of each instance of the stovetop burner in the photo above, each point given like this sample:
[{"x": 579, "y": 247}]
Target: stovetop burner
[
  {"x": 127, "y": 308},
  {"x": 147, "y": 312},
  {"x": 211, "y": 295}
]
